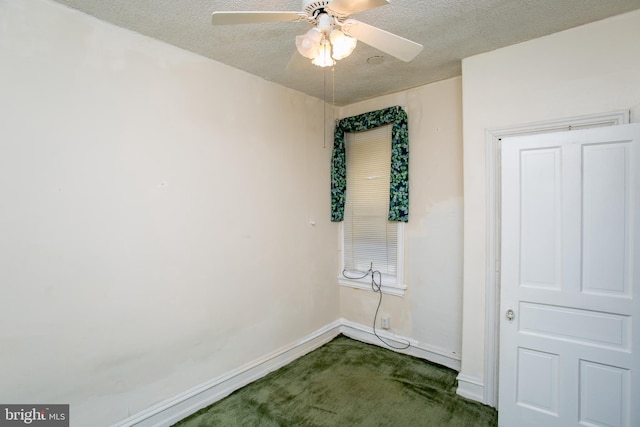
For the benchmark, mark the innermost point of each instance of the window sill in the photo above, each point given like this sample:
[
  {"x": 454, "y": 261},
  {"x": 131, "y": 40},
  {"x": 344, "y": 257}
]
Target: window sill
[{"x": 365, "y": 284}]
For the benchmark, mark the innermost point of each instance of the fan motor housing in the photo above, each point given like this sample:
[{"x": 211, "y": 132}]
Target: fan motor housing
[{"x": 313, "y": 7}]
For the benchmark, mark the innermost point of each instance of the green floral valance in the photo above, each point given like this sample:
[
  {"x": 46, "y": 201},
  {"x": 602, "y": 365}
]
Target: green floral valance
[{"x": 399, "y": 194}]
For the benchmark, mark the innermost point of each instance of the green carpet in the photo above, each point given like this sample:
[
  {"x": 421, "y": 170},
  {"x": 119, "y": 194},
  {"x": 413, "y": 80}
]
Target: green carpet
[{"x": 349, "y": 383}]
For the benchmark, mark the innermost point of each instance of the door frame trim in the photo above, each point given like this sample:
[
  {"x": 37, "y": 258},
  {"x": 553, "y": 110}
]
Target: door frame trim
[{"x": 493, "y": 138}]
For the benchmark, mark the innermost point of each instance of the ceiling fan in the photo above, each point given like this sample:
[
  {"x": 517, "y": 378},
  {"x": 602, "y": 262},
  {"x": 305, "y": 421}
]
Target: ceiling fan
[{"x": 334, "y": 35}]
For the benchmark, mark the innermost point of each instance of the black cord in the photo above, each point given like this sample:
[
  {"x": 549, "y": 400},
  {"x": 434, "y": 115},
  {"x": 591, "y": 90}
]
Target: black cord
[{"x": 376, "y": 287}]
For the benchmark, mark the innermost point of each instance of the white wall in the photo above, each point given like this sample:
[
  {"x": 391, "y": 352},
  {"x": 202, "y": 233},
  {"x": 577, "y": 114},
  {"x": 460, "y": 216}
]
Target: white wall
[
  {"x": 590, "y": 69},
  {"x": 154, "y": 216},
  {"x": 154, "y": 204},
  {"x": 430, "y": 311}
]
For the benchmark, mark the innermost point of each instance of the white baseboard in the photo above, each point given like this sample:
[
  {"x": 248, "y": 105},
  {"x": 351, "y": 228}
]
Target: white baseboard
[
  {"x": 470, "y": 388},
  {"x": 172, "y": 410},
  {"x": 365, "y": 334}
]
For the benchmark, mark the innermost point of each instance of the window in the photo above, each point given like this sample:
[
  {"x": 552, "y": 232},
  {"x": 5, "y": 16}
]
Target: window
[
  {"x": 369, "y": 239},
  {"x": 370, "y": 195}
]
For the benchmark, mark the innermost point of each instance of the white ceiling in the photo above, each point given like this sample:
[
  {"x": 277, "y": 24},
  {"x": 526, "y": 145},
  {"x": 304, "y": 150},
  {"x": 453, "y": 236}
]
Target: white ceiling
[{"x": 449, "y": 30}]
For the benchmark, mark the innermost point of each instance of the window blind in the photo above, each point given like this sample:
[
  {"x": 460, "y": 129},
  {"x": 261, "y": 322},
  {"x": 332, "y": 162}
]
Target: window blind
[{"x": 369, "y": 237}]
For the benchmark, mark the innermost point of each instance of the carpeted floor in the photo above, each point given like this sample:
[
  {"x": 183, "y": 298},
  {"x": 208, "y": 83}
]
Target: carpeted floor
[{"x": 349, "y": 383}]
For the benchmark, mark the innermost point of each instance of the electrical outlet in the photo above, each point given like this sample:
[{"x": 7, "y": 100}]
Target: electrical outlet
[{"x": 385, "y": 322}]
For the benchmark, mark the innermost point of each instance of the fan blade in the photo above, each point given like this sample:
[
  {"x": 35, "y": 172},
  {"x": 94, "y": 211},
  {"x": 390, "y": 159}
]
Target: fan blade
[
  {"x": 385, "y": 41},
  {"x": 347, "y": 7},
  {"x": 257, "y": 17}
]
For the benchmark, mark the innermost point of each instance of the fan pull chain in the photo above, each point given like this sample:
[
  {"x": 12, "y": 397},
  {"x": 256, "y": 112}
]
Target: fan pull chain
[
  {"x": 324, "y": 100},
  {"x": 333, "y": 86},
  {"x": 333, "y": 92},
  {"x": 324, "y": 108}
]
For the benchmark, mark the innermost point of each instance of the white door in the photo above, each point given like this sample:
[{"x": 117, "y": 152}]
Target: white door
[{"x": 570, "y": 284}]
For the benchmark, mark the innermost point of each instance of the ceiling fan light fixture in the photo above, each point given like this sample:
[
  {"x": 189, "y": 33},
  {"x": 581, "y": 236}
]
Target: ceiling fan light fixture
[
  {"x": 308, "y": 45},
  {"x": 324, "y": 58},
  {"x": 334, "y": 31},
  {"x": 342, "y": 44}
]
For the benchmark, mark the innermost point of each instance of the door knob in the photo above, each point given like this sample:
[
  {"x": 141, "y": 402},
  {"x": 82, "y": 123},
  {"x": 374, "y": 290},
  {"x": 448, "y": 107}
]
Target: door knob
[{"x": 510, "y": 315}]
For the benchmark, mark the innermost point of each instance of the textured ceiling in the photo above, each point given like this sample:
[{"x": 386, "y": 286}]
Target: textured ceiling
[{"x": 449, "y": 30}]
